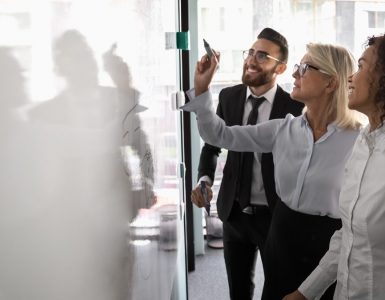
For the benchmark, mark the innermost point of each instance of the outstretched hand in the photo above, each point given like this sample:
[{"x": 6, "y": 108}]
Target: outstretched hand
[{"x": 204, "y": 72}]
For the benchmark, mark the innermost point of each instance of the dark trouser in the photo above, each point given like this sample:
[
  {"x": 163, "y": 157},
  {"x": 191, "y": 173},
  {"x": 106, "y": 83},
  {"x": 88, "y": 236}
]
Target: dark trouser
[
  {"x": 295, "y": 244},
  {"x": 243, "y": 235}
]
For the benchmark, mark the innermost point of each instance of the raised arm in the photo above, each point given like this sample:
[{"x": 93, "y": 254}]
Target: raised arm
[{"x": 213, "y": 130}]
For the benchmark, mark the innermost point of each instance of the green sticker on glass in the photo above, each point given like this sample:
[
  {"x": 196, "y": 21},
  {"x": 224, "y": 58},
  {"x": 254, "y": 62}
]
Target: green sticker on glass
[{"x": 183, "y": 40}]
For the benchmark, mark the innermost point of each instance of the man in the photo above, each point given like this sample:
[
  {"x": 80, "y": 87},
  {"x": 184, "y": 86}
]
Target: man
[{"x": 247, "y": 194}]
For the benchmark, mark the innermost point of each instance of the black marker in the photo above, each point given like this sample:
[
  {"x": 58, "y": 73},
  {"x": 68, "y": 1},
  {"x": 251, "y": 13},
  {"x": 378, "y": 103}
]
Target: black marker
[
  {"x": 205, "y": 196},
  {"x": 209, "y": 51}
]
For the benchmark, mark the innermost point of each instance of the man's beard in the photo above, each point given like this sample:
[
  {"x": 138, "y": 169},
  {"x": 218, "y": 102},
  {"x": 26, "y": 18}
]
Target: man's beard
[{"x": 262, "y": 78}]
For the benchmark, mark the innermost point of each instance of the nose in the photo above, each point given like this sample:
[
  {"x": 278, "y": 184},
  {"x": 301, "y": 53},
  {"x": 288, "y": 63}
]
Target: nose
[
  {"x": 295, "y": 74},
  {"x": 350, "y": 78}
]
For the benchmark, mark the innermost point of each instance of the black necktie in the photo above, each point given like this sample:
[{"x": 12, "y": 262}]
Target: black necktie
[{"x": 247, "y": 159}]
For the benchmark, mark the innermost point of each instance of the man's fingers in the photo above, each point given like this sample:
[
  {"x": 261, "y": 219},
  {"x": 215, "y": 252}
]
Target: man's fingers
[
  {"x": 210, "y": 194},
  {"x": 196, "y": 198}
]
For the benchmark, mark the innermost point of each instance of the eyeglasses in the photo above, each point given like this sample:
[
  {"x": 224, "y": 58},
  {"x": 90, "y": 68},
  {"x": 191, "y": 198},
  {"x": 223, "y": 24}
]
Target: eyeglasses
[
  {"x": 302, "y": 68},
  {"x": 260, "y": 56}
]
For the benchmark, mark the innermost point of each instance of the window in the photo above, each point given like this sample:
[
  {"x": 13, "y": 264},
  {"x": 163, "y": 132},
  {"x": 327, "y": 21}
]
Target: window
[
  {"x": 233, "y": 26},
  {"x": 376, "y": 19}
]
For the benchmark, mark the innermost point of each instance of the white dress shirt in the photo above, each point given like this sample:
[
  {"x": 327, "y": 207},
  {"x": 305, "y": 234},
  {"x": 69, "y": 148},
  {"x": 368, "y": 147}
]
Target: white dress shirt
[
  {"x": 308, "y": 174},
  {"x": 257, "y": 193},
  {"x": 356, "y": 256}
]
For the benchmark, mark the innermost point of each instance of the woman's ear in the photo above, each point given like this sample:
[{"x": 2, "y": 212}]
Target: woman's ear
[{"x": 332, "y": 84}]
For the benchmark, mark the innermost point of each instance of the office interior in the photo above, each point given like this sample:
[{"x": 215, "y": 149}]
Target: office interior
[{"x": 97, "y": 161}]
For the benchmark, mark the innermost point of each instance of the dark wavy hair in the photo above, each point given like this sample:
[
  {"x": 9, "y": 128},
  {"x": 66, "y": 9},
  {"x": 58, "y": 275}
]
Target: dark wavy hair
[
  {"x": 379, "y": 43},
  {"x": 278, "y": 39}
]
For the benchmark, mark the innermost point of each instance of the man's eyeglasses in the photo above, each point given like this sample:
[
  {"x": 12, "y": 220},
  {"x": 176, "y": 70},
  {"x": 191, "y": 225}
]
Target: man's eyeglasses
[
  {"x": 260, "y": 56},
  {"x": 302, "y": 68}
]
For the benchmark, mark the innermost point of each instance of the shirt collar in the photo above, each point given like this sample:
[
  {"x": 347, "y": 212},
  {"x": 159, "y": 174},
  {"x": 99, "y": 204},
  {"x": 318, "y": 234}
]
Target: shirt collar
[
  {"x": 269, "y": 95},
  {"x": 378, "y": 131},
  {"x": 374, "y": 135},
  {"x": 332, "y": 126}
]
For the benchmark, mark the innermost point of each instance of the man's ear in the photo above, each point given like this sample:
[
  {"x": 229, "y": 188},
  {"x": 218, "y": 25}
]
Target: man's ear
[{"x": 280, "y": 68}]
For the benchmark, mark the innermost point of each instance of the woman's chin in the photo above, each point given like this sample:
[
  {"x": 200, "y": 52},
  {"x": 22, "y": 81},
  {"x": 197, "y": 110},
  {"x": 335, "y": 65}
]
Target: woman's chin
[
  {"x": 296, "y": 97},
  {"x": 353, "y": 106},
  {"x": 351, "y": 103}
]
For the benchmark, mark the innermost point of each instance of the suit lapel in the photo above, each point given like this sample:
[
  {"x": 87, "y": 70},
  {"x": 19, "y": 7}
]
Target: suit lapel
[
  {"x": 279, "y": 104},
  {"x": 237, "y": 115}
]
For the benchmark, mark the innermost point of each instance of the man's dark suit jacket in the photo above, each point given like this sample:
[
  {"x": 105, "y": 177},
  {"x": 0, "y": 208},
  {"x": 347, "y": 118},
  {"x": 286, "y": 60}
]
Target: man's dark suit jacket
[{"x": 230, "y": 109}]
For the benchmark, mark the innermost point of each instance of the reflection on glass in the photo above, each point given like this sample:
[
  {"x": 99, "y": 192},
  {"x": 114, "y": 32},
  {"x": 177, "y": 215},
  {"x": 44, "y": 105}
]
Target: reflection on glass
[{"x": 89, "y": 193}]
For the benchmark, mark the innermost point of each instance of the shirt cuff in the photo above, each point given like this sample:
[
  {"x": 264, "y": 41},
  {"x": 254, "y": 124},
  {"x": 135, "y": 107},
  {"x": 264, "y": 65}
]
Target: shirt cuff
[
  {"x": 316, "y": 284},
  {"x": 201, "y": 105},
  {"x": 205, "y": 178}
]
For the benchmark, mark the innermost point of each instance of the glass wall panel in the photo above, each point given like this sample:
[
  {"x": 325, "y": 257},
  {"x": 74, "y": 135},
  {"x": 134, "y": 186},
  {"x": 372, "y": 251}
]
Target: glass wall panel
[{"x": 90, "y": 204}]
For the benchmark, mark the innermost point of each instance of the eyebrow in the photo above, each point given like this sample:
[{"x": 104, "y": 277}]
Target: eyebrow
[
  {"x": 361, "y": 59},
  {"x": 260, "y": 51}
]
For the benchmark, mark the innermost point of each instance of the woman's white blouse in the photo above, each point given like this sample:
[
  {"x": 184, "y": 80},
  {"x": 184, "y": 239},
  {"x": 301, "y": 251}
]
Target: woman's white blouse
[
  {"x": 356, "y": 256},
  {"x": 308, "y": 174}
]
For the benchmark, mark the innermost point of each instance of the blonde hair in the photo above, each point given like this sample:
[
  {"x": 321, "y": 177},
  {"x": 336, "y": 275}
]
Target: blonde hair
[{"x": 337, "y": 62}]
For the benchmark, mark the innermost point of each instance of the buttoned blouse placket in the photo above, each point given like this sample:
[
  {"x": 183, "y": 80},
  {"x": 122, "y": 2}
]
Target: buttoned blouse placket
[
  {"x": 359, "y": 170},
  {"x": 305, "y": 166}
]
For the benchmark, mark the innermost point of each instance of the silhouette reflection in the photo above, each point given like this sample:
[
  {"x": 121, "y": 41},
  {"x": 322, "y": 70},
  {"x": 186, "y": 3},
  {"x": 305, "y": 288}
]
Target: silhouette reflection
[
  {"x": 14, "y": 157},
  {"x": 84, "y": 104},
  {"x": 82, "y": 214},
  {"x": 19, "y": 209},
  {"x": 95, "y": 184}
]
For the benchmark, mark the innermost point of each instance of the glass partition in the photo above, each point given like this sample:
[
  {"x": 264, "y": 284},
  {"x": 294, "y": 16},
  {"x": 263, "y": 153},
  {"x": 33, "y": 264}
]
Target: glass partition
[{"x": 91, "y": 202}]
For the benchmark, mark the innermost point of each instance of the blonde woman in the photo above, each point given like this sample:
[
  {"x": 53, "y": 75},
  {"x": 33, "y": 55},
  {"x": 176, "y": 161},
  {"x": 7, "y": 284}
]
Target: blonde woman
[
  {"x": 309, "y": 154},
  {"x": 357, "y": 252}
]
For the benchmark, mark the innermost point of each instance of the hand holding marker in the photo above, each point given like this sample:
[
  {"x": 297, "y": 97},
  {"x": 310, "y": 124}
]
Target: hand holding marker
[{"x": 205, "y": 196}]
